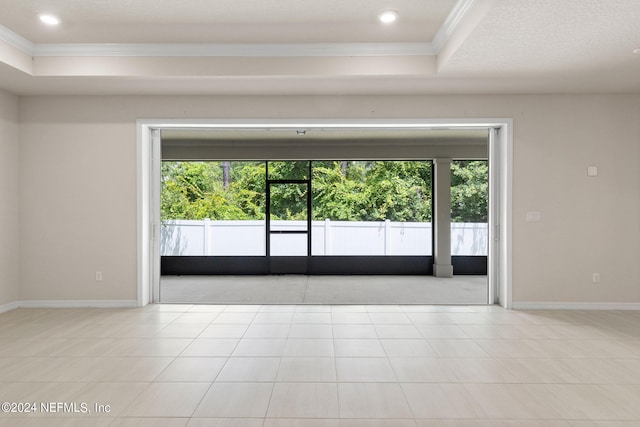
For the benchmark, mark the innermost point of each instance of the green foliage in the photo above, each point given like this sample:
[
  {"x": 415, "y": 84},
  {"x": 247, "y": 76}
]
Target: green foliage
[
  {"x": 298, "y": 169},
  {"x": 336, "y": 196},
  {"x": 469, "y": 191},
  {"x": 289, "y": 201},
  {"x": 372, "y": 191},
  {"x": 195, "y": 190},
  {"x": 399, "y": 191},
  {"x": 343, "y": 191}
]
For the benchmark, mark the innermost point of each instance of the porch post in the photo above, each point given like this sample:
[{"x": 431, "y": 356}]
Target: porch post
[{"x": 442, "y": 218}]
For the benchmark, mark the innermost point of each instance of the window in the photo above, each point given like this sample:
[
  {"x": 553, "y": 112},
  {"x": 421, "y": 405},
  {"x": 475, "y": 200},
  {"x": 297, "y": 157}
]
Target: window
[
  {"x": 213, "y": 208},
  {"x": 359, "y": 208},
  {"x": 372, "y": 208}
]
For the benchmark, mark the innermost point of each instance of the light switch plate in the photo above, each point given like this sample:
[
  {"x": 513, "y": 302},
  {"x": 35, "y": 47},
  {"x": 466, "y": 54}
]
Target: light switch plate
[
  {"x": 592, "y": 171},
  {"x": 533, "y": 216}
]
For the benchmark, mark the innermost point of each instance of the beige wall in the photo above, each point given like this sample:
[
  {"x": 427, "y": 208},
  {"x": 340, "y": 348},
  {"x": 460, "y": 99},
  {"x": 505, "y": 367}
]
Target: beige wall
[
  {"x": 78, "y": 185},
  {"x": 9, "y": 219}
]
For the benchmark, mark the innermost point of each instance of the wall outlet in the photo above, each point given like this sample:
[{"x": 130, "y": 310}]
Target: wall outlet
[
  {"x": 98, "y": 276},
  {"x": 596, "y": 278}
]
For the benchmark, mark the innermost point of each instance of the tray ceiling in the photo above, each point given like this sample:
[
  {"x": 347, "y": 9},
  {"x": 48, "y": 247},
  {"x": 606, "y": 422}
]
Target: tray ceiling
[{"x": 295, "y": 47}]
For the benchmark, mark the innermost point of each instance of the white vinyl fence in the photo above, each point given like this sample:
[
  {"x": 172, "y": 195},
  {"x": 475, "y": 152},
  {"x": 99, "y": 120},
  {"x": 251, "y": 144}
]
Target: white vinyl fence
[{"x": 206, "y": 237}]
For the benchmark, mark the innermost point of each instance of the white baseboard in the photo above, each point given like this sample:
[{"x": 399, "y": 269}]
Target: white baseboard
[
  {"x": 72, "y": 304},
  {"x": 132, "y": 304},
  {"x": 8, "y": 307},
  {"x": 575, "y": 306}
]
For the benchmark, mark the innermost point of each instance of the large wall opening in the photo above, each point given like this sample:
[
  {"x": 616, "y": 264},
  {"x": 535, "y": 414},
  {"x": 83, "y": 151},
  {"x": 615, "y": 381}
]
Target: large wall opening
[{"x": 231, "y": 151}]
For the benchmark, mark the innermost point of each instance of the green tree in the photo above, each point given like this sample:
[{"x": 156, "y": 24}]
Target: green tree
[
  {"x": 339, "y": 191},
  {"x": 248, "y": 183},
  {"x": 342, "y": 190},
  {"x": 372, "y": 191},
  {"x": 399, "y": 191},
  {"x": 196, "y": 190},
  {"x": 469, "y": 191},
  {"x": 288, "y": 201}
]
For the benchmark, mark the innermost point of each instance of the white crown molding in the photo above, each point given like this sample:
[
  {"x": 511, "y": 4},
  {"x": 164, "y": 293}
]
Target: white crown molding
[
  {"x": 233, "y": 50},
  {"x": 213, "y": 50},
  {"x": 575, "y": 306},
  {"x": 459, "y": 11},
  {"x": 16, "y": 40}
]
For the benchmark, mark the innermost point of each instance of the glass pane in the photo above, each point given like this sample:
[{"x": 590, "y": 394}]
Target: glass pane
[
  {"x": 288, "y": 203},
  {"x": 372, "y": 208},
  {"x": 469, "y": 207},
  {"x": 298, "y": 169},
  {"x": 289, "y": 244},
  {"x": 213, "y": 208}
]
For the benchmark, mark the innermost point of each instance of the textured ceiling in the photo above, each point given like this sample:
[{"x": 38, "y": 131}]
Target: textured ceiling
[
  {"x": 549, "y": 36},
  {"x": 320, "y": 47}
]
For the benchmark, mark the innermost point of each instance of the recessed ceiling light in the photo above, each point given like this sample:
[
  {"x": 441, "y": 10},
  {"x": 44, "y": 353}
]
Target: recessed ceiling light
[
  {"x": 388, "y": 16},
  {"x": 49, "y": 19}
]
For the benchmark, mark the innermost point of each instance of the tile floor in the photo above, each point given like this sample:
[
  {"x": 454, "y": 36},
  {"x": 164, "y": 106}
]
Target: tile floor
[{"x": 320, "y": 366}]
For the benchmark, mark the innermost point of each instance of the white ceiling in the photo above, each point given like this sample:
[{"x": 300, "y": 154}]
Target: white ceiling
[
  {"x": 320, "y": 47},
  {"x": 365, "y": 136},
  {"x": 224, "y": 21}
]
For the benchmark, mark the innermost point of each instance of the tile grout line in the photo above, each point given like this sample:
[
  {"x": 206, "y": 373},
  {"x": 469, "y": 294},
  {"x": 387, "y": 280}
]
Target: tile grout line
[{"x": 335, "y": 366}]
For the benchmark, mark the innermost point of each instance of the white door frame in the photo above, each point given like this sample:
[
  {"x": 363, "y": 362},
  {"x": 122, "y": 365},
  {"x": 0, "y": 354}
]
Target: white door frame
[{"x": 500, "y": 192}]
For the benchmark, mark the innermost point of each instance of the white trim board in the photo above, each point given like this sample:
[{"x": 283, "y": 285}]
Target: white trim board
[
  {"x": 77, "y": 304},
  {"x": 234, "y": 49},
  {"x": 575, "y": 306},
  {"x": 10, "y": 306},
  {"x": 132, "y": 304},
  {"x": 148, "y": 217},
  {"x": 459, "y": 11},
  {"x": 68, "y": 304},
  {"x": 214, "y": 49}
]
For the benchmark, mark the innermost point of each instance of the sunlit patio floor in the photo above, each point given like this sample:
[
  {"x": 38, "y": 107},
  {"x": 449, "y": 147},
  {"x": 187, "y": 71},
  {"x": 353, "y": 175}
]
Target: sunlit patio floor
[{"x": 299, "y": 289}]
